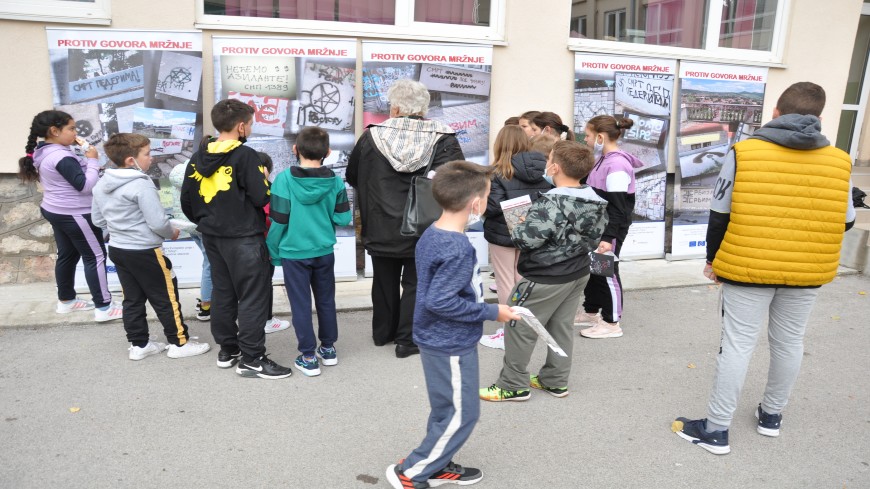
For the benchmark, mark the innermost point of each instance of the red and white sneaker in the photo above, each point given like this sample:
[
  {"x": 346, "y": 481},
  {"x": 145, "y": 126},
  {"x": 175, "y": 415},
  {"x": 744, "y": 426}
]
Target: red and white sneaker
[
  {"x": 274, "y": 325},
  {"x": 114, "y": 311},
  {"x": 494, "y": 340},
  {"x": 73, "y": 305}
]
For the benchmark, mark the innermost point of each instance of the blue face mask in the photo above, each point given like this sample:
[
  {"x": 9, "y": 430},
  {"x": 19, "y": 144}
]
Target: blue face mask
[{"x": 548, "y": 178}]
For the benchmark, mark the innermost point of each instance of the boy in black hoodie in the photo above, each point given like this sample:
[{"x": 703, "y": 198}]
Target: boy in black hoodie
[{"x": 224, "y": 192}]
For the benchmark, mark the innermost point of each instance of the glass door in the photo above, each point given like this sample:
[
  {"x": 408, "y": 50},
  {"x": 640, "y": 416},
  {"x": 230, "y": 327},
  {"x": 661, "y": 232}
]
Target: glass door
[{"x": 857, "y": 90}]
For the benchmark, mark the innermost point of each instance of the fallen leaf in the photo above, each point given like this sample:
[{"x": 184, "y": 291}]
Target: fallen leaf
[
  {"x": 677, "y": 426},
  {"x": 835, "y": 318},
  {"x": 862, "y": 293},
  {"x": 74, "y": 409},
  {"x": 691, "y": 365}
]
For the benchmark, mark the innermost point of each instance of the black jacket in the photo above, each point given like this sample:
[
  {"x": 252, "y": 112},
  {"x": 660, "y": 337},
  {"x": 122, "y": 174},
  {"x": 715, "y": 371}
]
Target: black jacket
[
  {"x": 381, "y": 192},
  {"x": 224, "y": 193},
  {"x": 528, "y": 180}
]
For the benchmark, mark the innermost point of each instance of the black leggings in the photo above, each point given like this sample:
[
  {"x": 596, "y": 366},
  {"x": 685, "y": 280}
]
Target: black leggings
[{"x": 77, "y": 237}]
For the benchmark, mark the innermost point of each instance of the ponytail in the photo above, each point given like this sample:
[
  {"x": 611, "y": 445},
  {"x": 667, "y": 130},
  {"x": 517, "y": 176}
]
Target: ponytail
[
  {"x": 554, "y": 122},
  {"x": 614, "y": 127},
  {"x": 43, "y": 121}
]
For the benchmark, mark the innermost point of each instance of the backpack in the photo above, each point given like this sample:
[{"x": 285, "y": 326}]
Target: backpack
[{"x": 858, "y": 196}]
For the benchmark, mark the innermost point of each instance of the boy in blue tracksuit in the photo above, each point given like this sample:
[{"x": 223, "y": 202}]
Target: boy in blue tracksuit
[
  {"x": 448, "y": 322},
  {"x": 307, "y": 202}
]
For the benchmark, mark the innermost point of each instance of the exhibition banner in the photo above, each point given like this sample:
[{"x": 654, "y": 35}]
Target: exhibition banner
[
  {"x": 145, "y": 82},
  {"x": 719, "y": 106},
  {"x": 458, "y": 77},
  {"x": 293, "y": 83},
  {"x": 641, "y": 89}
]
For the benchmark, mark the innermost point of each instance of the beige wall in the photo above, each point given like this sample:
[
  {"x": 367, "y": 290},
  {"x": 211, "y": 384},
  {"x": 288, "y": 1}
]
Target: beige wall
[
  {"x": 534, "y": 71},
  {"x": 818, "y": 49},
  {"x": 26, "y": 82}
]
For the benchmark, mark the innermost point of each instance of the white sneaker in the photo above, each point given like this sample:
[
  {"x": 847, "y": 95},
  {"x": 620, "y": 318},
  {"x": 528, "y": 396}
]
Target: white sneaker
[
  {"x": 114, "y": 311},
  {"x": 152, "y": 348},
  {"x": 189, "y": 349},
  {"x": 494, "y": 340},
  {"x": 74, "y": 305},
  {"x": 274, "y": 325}
]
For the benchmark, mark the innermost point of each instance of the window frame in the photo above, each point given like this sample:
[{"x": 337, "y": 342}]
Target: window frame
[
  {"x": 405, "y": 26},
  {"x": 711, "y": 52},
  {"x": 617, "y": 23},
  {"x": 99, "y": 12}
]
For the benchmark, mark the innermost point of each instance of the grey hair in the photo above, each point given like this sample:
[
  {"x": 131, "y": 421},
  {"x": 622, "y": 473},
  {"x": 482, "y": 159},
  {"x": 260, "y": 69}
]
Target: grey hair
[{"x": 409, "y": 97}]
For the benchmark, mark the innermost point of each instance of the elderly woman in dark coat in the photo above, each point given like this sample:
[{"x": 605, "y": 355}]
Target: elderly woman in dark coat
[{"x": 380, "y": 169}]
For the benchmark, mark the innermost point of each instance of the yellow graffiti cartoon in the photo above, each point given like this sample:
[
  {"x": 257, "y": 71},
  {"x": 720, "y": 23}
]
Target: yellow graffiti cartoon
[
  {"x": 265, "y": 179},
  {"x": 219, "y": 181}
]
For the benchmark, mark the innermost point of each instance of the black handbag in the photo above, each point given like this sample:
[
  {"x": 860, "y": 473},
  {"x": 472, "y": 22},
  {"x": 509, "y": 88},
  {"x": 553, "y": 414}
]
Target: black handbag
[{"x": 421, "y": 209}]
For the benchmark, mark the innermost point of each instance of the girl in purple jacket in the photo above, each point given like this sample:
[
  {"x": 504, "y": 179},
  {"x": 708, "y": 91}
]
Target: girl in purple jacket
[
  {"x": 612, "y": 177},
  {"x": 67, "y": 180}
]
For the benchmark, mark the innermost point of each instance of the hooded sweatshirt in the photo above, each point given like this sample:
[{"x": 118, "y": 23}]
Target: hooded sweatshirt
[
  {"x": 528, "y": 179},
  {"x": 225, "y": 189},
  {"x": 793, "y": 131},
  {"x": 127, "y": 204},
  {"x": 67, "y": 179},
  {"x": 381, "y": 166},
  {"x": 612, "y": 177},
  {"x": 560, "y": 230},
  {"x": 307, "y": 204}
]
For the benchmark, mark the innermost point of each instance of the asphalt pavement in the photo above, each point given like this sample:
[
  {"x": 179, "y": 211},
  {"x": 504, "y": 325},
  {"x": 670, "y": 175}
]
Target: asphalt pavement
[{"x": 75, "y": 412}]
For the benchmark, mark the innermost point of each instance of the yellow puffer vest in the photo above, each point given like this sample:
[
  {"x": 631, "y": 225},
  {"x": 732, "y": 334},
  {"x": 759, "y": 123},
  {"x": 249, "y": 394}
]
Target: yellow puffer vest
[{"x": 788, "y": 211}]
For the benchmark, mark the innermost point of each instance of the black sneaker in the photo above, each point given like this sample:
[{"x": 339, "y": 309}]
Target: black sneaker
[
  {"x": 227, "y": 359},
  {"x": 768, "y": 424},
  {"x": 398, "y": 480},
  {"x": 455, "y": 474},
  {"x": 695, "y": 430},
  {"x": 263, "y": 368},
  {"x": 202, "y": 314}
]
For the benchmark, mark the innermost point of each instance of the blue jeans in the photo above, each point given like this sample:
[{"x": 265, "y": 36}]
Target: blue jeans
[
  {"x": 301, "y": 278},
  {"x": 205, "y": 282}
]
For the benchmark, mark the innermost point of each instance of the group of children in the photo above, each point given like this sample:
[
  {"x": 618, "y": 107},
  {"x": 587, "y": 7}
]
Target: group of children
[
  {"x": 224, "y": 191},
  {"x": 225, "y": 194},
  {"x": 544, "y": 261}
]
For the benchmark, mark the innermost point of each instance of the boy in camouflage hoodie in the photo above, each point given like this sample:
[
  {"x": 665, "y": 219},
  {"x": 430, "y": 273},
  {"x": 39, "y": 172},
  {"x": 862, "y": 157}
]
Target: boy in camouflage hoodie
[{"x": 555, "y": 239}]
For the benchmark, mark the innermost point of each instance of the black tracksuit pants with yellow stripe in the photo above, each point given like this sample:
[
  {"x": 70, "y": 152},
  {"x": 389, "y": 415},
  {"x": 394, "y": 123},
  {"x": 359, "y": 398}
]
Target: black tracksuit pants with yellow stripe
[{"x": 147, "y": 275}]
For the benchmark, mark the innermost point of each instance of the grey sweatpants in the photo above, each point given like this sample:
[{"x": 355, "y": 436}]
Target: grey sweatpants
[
  {"x": 555, "y": 307},
  {"x": 745, "y": 310},
  {"x": 453, "y": 383}
]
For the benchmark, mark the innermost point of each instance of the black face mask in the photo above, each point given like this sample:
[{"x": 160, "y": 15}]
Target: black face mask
[{"x": 243, "y": 139}]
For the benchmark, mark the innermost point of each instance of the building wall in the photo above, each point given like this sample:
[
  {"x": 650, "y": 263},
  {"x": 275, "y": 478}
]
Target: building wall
[{"x": 534, "y": 71}]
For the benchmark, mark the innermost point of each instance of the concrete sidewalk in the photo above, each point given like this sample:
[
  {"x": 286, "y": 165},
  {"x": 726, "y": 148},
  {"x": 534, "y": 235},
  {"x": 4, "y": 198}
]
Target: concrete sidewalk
[{"x": 32, "y": 305}]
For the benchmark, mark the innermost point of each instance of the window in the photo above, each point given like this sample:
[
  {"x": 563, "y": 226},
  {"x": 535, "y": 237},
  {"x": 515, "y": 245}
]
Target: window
[
  {"x": 614, "y": 25},
  {"x": 578, "y": 26},
  {"x": 443, "y": 19},
  {"x": 747, "y": 24},
  {"x": 67, "y": 11},
  {"x": 741, "y": 30}
]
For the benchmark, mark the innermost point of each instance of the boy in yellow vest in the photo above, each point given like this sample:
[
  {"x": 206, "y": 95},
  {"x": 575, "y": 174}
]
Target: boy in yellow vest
[{"x": 779, "y": 210}]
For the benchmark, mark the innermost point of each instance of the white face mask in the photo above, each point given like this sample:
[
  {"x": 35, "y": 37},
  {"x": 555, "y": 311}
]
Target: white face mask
[
  {"x": 598, "y": 148},
  {"x": 473, "y": 218}
]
